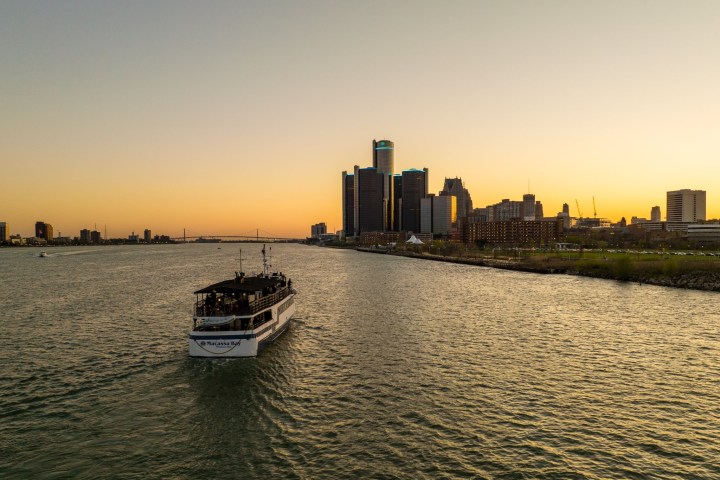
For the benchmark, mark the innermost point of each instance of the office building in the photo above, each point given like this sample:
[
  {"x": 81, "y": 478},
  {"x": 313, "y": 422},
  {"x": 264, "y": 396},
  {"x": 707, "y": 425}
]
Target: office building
[
  {"x": 384, "y": 156},
  {"x": 685, "y": 205},
  {"x": 318, "y": 229},
  {"x": 4, "y": 232},
  {"x": 655, "y": 214},
  {"x": 95, "y": 237},
  {"x": 426, "y": 206},
  {"x": 44, "y": 230},
  {"x": 397, "y": 202},
  {"x": 85, "y": 236},
  {"x": 438, "y": 214},
  {"x": 147, "y": 235},
  {"x": 528, "y": 207},
  {"x": 539, "y": 213},
  {"x": 444, "y": 214},
  {"x": 384, "y": 162},
  {"x": 348, "y": 205},
  {"x": 369, "y": 206},
  {"x": 704, "y": 233},
  {"x": 414, "y": 188},
  {"x": 454, "y": 186}
]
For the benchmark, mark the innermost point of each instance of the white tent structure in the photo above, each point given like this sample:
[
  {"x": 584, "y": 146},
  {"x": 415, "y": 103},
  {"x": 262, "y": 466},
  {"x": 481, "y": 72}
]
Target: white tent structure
[{"x": 415, "y": 241}]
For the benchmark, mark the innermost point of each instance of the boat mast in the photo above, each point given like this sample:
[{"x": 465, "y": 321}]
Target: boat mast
[{"x": 266, "y": 262}]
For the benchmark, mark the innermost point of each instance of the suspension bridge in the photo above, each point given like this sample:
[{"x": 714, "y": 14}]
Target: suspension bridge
[{"x": 258, "y": 236}]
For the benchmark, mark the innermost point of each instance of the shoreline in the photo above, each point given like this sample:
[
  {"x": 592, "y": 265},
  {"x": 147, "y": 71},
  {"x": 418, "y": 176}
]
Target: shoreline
[{"x": 693, "y": 280}]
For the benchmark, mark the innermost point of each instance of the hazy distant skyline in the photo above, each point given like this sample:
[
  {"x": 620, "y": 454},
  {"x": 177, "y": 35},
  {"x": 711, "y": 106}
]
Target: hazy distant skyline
[{"x": 223, "y": 117}]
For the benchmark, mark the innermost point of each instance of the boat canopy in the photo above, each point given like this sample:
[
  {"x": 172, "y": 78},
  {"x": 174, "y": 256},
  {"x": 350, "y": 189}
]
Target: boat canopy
[{"x": 242, "y": 285}]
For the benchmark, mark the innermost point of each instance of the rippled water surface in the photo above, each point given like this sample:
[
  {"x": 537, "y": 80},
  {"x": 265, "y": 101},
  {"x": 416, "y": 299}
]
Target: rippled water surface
[{"x": 392, "y": 368}]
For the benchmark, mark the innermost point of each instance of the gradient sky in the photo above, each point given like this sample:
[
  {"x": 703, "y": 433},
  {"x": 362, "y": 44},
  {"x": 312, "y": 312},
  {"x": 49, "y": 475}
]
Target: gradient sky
[{"x": 223, "y": 117}]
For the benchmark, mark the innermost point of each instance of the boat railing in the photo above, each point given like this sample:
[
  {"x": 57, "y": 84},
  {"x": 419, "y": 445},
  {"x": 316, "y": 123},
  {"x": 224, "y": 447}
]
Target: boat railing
[{"x": 236, "y": 308}]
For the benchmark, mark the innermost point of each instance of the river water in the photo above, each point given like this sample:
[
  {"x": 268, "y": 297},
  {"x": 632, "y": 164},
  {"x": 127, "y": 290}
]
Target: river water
[{"x": 392, "y": 368}]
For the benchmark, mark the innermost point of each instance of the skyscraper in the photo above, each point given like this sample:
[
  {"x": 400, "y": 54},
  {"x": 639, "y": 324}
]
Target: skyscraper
[
  {"x": 685, "y": 205},
  {"x": 4, "y": 232},
  {"x": 147, "y": 235},
  {"x": 384, "y": 162},
  {"x": 370, "y": 205},
  {"x": 454, "y": 186},
  {"x": 414, "y": 187},
  {"x": 348, "y": 204},
  {"x": 397, "y": 202},
  {"x": 384, "y": 156}
]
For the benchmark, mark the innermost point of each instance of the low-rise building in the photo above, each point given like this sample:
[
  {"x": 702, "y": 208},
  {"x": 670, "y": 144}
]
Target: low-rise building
[{"x": 704, "y": 233}]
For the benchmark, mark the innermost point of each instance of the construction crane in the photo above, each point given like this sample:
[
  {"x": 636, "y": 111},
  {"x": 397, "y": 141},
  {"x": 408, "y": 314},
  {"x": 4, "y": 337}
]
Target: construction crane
[
  {"x": 578, "y": 208},
  {"x": 594, "y": 208}
]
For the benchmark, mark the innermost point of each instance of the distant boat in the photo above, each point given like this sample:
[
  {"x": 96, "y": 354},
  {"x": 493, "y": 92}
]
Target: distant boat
[
  {"x": 43, "y": 254},
  {"x": 238, "y": 317}
]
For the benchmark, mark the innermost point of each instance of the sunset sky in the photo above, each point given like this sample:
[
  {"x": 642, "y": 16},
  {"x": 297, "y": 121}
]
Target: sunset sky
[{"x": 224, "y": 117}]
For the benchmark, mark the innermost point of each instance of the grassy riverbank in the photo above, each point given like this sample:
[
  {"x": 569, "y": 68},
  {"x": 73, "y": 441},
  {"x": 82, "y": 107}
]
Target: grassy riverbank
[{"x": 685, "y": 271}]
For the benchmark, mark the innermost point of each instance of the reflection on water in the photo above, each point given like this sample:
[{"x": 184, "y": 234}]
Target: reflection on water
[{"x": 393, "y": 368}]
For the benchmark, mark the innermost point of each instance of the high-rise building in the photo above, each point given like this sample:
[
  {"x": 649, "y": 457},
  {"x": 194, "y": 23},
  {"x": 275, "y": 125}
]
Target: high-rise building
[
  {"x": 438, "y": 214},
  {"x": 454, "y": 186},
  {"x": 414, "y": 187},
  {"x": 85, "y": 236},
  {"x": 147, "y": 235},
  {"x": 318, "y": 229},
  {"x": 44, "y": 230},
  {"x": 348, "y": 204},
  {"x": 397, "y": 202},
  {"x": 426, "y": 215},
  {"x": 528, "y": 207},
  {"x": 505, "y": 210},
  {"x": 384, "y": 162},
  {"x": 95, "y": 237},
  {"x": 384, "y": 156},
  {"x": 444, "y": 214},
  {"x": 539, "y": 213},
  {"x": 566, "y": 209},
  {"x": 4, "y": 232},
  {"x": 369, "y": 210},
  {"x": 685, "y": 205},
  {"x": 655, "y": 214}
]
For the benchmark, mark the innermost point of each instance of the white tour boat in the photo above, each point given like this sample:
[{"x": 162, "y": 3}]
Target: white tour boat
[{"x": 238, "y": 317}]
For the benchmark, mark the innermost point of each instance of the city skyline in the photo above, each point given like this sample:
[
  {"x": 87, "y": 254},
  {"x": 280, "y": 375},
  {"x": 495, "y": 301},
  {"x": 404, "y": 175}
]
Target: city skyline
[{"x": 265, "y": 104}]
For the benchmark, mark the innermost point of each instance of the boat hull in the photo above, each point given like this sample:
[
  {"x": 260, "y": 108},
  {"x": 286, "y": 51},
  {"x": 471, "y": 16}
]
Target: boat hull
[{"x": 242, "y": 343}]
